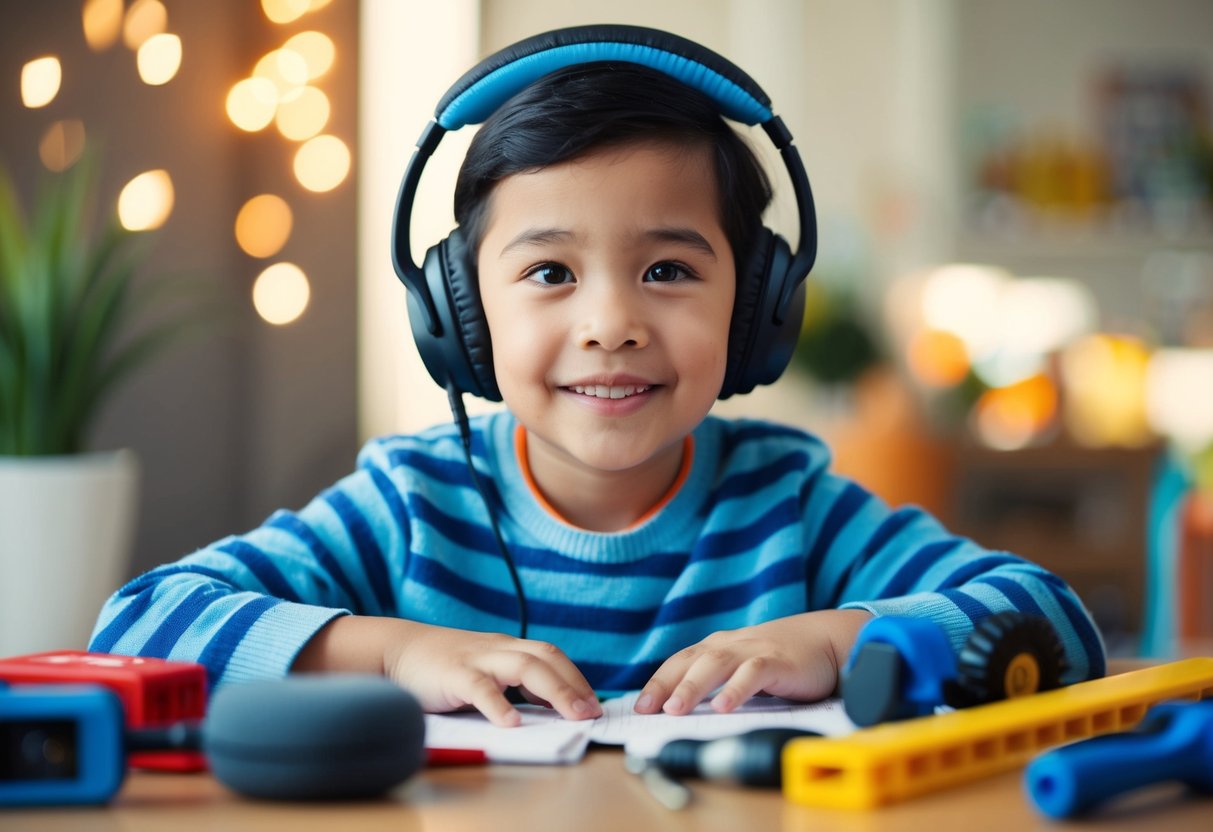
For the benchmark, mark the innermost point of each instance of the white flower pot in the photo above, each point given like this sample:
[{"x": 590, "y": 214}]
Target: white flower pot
[{"x": 66, "y": 530}]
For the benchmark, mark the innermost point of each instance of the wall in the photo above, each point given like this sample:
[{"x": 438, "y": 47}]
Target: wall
[{"x": 246, "y": 418}]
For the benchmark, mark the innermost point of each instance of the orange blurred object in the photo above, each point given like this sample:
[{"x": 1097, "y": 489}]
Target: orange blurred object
[
  {"x": 938, "y": 358},
  {"x": 1012, "y": 417}
]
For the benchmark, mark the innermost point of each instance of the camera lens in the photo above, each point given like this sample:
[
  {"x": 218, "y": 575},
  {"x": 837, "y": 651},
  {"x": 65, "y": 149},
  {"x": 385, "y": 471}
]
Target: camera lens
[{"x": 43, "y": 750}]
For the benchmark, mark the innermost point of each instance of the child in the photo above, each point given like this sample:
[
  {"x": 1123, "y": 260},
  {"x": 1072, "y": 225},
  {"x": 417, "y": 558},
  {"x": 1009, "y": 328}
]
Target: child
[{"x": 605, "y": 209}]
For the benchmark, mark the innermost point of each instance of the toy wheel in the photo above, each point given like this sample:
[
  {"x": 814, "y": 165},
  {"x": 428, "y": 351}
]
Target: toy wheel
[{"x": 1009, "y": 654}]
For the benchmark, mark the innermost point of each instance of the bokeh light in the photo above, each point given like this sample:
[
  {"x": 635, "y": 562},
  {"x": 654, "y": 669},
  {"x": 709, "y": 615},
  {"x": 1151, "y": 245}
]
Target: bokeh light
[
  {"x": 40, "y": 80},
  {"x": 285, "y": 68},
  {"x": 316, "y": 49},
  {"x": 1179, "y": 396},
  {"x": 1104, "y": 380},
  {"x": 285, "y": 11},
  {"x": 937, "y": 359},
  {"x": 263, "y": 225},
  {"x": 251, "y": 104},
  {"x": 281, "y": 293},
  {"x": 304, "y": 116},
  {"x": 146, "y": 201},
  {"x": 159, "y": 58},
  {"x": 62, "y": 144},
  {"x": 102, "y": 21},
  {"x": 1013, "y": 417},
  {"x": 962, "y": 299},
  {"x": 322, "y": 163},
  {"x": 144, "y": 18}
]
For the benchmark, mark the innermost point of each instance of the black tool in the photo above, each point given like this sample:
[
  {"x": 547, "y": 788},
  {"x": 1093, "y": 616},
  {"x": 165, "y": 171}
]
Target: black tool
[{"x": 750, "y": 759}]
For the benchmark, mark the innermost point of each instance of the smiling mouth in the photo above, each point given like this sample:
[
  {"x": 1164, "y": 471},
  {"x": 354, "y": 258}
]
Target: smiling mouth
[{"x": 601, "y": 391}]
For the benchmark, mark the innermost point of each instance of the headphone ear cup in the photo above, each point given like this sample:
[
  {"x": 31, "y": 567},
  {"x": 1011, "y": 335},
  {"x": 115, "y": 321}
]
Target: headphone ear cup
[
  {"x": 760, "y": 348},
  {"x": 471, "y": 326},
  {"x": 461, "y": 351}
]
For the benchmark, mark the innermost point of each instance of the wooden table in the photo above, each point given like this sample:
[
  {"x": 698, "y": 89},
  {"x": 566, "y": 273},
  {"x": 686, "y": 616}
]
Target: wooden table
[{"x": 597, "y": 794}]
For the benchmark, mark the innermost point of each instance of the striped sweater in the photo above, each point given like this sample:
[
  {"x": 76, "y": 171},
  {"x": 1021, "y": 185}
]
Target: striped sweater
[{"x": 759, "y": 529}]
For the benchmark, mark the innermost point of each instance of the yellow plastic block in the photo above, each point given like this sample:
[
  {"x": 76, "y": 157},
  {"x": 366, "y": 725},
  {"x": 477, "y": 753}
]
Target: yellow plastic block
[{"x": 894, "y": 761}]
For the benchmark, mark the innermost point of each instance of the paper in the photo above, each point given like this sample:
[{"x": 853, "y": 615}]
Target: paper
[{"x": 546, "y": 737}]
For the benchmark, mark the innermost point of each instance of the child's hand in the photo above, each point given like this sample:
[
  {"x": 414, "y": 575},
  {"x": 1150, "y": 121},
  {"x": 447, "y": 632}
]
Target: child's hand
[
  {"x": 798, "y": 657},
  {"x": 448, "y": 669}
]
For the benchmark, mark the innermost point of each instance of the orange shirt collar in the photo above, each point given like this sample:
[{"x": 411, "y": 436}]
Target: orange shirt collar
[{"x": 688, "y": 453}]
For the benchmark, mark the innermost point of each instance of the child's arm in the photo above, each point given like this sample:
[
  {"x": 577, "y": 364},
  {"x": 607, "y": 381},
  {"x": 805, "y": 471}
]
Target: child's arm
[
  {"x": 798, "y": 657},
  {"x": 448, "y": 669}
]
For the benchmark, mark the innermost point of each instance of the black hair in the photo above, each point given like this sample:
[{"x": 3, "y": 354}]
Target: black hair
[{"x": 572, "y": 111}]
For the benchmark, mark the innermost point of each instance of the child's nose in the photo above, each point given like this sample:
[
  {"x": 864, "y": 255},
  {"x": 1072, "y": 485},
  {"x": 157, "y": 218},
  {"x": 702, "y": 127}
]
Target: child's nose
[{"x": 612, "y": 320}]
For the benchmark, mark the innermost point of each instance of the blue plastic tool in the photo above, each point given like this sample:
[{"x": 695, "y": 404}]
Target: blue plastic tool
[{"x": 1174, "y": 742}]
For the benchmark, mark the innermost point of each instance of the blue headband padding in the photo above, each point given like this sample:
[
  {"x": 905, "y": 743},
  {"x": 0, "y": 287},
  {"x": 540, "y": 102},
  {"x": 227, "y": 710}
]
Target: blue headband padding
[{"x": 476, "y": 103}]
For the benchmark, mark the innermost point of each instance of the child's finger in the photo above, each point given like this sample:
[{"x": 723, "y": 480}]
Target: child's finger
[
  {"x": 563, "y": 666},
  {"x": 570, "y": 701},
  {"x": 484, "y": 694},
  {"x": 751, "y": 677},
  {"x": 662, "y": 683},
  {"x": 705, "y": 674}
]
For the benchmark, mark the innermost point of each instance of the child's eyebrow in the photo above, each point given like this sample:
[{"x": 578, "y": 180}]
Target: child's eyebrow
[
  {"x": 686, "y": 236},
  {"x": 546, "y": 236},
  {"x": 538, "y": 237}
]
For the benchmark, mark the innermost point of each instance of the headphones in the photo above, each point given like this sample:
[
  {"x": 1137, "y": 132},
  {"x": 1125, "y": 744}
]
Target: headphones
[{"x": 445, "y": 313}]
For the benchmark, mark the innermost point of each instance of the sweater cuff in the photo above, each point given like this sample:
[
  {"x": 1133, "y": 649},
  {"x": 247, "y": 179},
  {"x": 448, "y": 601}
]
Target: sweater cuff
[
  {"x": 929, "y": 605},
  {"x": 270, "y": 646}
]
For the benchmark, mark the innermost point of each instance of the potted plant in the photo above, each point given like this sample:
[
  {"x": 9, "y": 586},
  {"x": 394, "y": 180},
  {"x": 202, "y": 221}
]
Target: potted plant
[{"x": 74, "y": 323}]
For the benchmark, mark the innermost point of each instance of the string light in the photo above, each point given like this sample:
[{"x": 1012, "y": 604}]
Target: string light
[
  {"x": 263, "y": 225},
  {"x": 281, "y": 293},
  {"x": 159, "y": 58},
  {"x": 322, "y": 163},
  {"x": 143, "y": 19},
  {"x": 62, "y": 144},
  {"x": 146, "y": 201},
  {"x": 102, "y": 21},
  {"x": 40, "y": 80}
]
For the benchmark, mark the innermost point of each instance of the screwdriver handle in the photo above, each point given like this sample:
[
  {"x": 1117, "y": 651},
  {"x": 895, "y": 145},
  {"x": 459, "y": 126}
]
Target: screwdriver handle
[{"x": 1173, "y": 742}]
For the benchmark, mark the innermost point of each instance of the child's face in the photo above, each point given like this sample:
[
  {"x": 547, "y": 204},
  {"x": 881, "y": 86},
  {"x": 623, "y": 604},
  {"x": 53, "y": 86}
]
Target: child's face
[{"x": 608, "y": 286}]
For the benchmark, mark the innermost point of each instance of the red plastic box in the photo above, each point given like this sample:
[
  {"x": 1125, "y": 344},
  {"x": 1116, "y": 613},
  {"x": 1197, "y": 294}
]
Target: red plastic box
[{"x": 154, "y": 692}]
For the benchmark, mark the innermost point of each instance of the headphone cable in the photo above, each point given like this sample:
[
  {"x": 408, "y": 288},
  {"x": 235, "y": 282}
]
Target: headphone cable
[{"x": 465, "y": 435}]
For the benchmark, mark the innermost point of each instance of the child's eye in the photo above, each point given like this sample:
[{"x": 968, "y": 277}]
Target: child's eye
[
  {"x": 550, "y": 274},
  {"x": 666, "y": 273}
]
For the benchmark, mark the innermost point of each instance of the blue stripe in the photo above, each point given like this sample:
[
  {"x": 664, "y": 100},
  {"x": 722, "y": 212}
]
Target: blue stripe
[
  {"x": 105, "y": 640},
  {"x": 462, "y": 531},
  {"x": 748, "y": 482},
  {"x": 445, "y": 471},
  {"x": 395, "y": 504},
  {"x": 974, "y": 567},
  {"x": 157, "y": 575},
  {"x": 1087, "y": 636},
  {"x": 478, "y": 101},
  {"x": 885, "y": 532},
  {"x": 369, "y": 554},
  {"x": 748, "y": 432},
  {"x": 617, "y": 677},
  {"x": 437, "y": 577},
  {"x": 1017, "y": 596},
  {"x": 970, "y": 606},
  {"x": 731, "y": 542},
  {"x": 262, "y": 566},
  {"x": 174, "y": 625},
  {"x": 657, "y": 565},
  {"x": 288, "y": 522},
  {"x": 218, "y": 651},
  {"x": 845, "y": 506},
  {"x": 912, "y": 570}
]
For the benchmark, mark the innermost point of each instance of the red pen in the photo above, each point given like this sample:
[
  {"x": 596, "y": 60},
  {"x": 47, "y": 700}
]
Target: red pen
[{"x": 455, "y": 757}]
